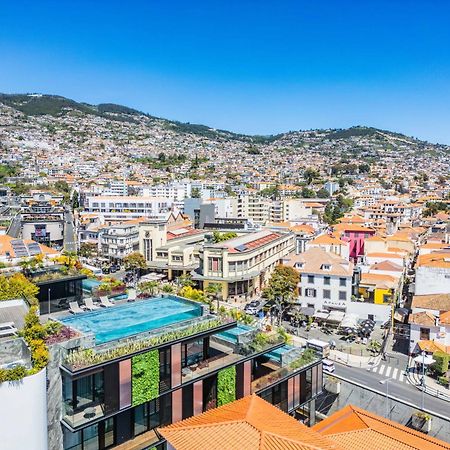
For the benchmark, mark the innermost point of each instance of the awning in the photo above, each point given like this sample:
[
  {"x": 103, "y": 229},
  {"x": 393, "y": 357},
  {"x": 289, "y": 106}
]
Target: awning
[
  {"x": 425, "y": 360},
  {"x": 336, "y": 316},
  {"x": 321, "y": 315},
  {"x": 350, "y": 321}
]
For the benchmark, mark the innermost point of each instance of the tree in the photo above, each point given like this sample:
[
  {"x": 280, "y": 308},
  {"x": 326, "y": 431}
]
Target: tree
[
  {"x": 213, "y": 290},
  {"x": 134, "y": 261},
  {"x": 322, "y": 193},
  {"x": 310, "y": 174},
  {"x": 282, "y": 286},
  {"x": 307, "y": 193},
  {"x": 220, "y": 237},
  {"x": 87, "y": 249},
  {"x": 441, "y": 362},
  {"x": 185, "y": 280},
  {"x": 196, "y": 193},
  {"x": 148, "y": 287}
]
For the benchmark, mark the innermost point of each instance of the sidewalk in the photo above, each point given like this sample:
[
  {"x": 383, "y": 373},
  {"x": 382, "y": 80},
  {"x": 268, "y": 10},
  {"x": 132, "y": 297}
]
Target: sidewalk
[
  {"x": 363, "y": 362},
  {"x": 432, "y": 387}
]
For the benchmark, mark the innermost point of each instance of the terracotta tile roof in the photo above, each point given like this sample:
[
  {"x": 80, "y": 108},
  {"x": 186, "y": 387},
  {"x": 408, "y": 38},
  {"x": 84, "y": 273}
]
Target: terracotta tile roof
[
  {"x": 440, "y": 302},
  {"x": 433, "y": 346},
  {"x": 249, "y": 423},
  {"x": 355, "y": 428},
  {"x": 422, "y": 318},
  {"x": 315, "y": 257},
  {"x": 444, "y": 318},
  {"x": 380, "y": 281},
  {"x": 437, "y": 259},
  {"x": 6, "y": 248},
  {"x": 387, "y": 266},
  {"x": 326, "y": 239}
]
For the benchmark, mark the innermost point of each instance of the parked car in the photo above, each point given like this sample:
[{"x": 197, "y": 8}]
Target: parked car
[
  {"x": 253, "y": 307},
  {"x": 106, "y": 270},
  {"x": 328, "y": 365},
  {"x": 114, "y": 268}
]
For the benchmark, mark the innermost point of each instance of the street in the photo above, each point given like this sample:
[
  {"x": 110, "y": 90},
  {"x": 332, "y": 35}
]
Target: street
[
  {"x": 14, "y": 229},
  {"x": 70, "y": 244},
  {"x": 398, "y": 387}
]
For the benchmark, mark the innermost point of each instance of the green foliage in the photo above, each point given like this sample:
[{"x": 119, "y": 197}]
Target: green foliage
[
  {"x": 282, "y": 284},
  {"x": 307, "y": 193},
  {"x": 226, "y": 386},
  {"x": 148, "y": 287},
  {"x": 87, "y": 249},
  {"x": 322, "y": 193},
  {"x": 310, "y": 174},
  {"x": 163, "y": 161},
  {"x": 336, "y": 209},
  {"x": 7, "y": 170},
  {"x": 87, "y": 357},
  {"x": 307, "y": 357},
  {"x": 17, "y": 286},
  {"x": 134, "y": 261},
  {"x": 433, "y": 208},
  {"x": 145, "y": 377},
  {"x": 15, "y": 374},
  {"x": 221, "y": 237},
  {"x": 441, "y": 362},
  {"x": 196, "y": 193}
]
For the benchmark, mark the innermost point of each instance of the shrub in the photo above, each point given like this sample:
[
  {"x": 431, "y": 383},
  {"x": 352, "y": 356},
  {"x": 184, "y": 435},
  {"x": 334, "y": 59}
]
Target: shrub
[{"x": 441, "y": 361}]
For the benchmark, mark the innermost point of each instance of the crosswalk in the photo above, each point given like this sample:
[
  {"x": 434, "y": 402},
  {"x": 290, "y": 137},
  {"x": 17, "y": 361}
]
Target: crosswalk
[{"x": 390, "y": 372}]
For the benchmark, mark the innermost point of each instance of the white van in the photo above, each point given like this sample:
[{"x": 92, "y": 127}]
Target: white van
[
  {"x": 328, "y": 365},
  {"x": 93, "y": 269}
]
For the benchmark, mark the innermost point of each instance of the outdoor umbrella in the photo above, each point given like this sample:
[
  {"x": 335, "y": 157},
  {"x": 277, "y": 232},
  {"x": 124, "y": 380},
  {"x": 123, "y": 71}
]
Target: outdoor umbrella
[{"x": 425, "y": 360}]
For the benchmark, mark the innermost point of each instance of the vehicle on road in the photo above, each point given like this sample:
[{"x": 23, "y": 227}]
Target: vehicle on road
[
  {"x": 253, "y": 307},
  {"x": 114, "y": 268},
  {"x": 328, "y": 365},
  {"x": 320, "y": 346}
]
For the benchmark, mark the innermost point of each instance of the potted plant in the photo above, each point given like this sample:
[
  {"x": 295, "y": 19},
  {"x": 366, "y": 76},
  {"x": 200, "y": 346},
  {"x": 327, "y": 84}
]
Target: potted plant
[{"x": 421, "y": 421}]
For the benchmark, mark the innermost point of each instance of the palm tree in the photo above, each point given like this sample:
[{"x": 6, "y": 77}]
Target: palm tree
[
  {"x": 168, "y": 288},
  {"x": 213, "y": 290},
  {"x": 149, "y": 287}
]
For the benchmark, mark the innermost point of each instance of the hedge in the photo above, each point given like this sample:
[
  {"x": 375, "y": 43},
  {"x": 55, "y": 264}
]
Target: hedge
[
  {"x": 145, "y": 377},
  {"x": 441, "y": 361},
  {"x": 226, "y": 386}
]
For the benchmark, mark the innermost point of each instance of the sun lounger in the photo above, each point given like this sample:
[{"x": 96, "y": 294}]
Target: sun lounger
[
  {"x": 89, "y": 304},
  {"x": 131, "y": 295},
  {"x": 105, "y": 302},
  {"x": 74, "y": 308},
  {"x": 7, "y": 329}
]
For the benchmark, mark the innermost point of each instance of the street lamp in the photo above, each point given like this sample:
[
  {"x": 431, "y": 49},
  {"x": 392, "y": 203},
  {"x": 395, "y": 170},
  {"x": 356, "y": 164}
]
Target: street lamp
[
  {"x": 49, "y": 291},
  {"x": 422, "y": 381},
  {"x": 386, "y": 382}
]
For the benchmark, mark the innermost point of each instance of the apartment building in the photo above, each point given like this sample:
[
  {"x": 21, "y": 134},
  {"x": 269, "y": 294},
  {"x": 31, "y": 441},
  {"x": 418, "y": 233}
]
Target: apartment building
[
  {"x": 176, "y": 192},
  {"x": 325, "y": 279},
  {"x": 433, "y": 273},
  {"x": 243, "y": 265},
  {"x": 118, "y": 241},
  {"x": 163, "y": 375},
  {"x": 127, "y": 207}
]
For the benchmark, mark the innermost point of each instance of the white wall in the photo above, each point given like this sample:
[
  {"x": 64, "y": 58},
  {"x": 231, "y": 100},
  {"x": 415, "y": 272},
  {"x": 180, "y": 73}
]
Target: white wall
[
  {"x": 23, "y": 413},
  {"x": 432, "y": 280},
  {"x": 381, "y": 313}
]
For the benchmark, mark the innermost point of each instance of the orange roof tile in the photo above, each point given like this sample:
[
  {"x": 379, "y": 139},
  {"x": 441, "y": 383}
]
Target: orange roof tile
[
  {"x": 326, "y": 239},
  {"x": 356, "y": 428},
  {"x": 249, "y": 423},
  {"x": 440, "y": 302}
]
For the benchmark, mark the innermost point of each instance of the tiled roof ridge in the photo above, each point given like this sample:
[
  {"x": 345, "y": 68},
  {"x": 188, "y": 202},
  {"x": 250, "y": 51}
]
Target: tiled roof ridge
[
  {"x": 306, "y": 445},
  {"x": 361, "y": 412}
]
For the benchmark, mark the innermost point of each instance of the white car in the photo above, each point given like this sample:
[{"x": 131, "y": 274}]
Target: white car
[{"x": 328, "y": 365}]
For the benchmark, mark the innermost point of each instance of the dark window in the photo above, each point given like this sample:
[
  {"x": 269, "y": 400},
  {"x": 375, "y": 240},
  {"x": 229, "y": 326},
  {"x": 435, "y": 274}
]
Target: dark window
[
  {"x": 188, "y": 401},
  {"x": 342, "y": 295},
  {"x": 310, "y": 279},
  {"x": 326, "y": 281},
  {"x": 326, "y": 293},
  {"x": 210, "y": 393},
  {"x": 164, "y": 370},
  {"x": 424, "y": 334},
  {"x": 342, "y": 281}
]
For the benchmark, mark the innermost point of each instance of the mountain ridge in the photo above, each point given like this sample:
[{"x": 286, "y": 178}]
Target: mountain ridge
[{"x": 32, "y": 104}]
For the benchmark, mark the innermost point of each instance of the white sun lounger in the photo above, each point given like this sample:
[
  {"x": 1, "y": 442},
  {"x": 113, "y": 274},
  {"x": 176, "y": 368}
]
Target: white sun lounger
[
  {"x": 89, "y": 304},
  {"x": 105, "y": 302},
  {"x": 131, "y": 295},
  {"x": 7, "y": 329},
  {"x": 74, "y": 308}
]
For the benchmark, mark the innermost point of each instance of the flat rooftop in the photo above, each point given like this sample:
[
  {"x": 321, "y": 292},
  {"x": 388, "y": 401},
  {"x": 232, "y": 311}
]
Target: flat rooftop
[{"x": 118, "y": 322}]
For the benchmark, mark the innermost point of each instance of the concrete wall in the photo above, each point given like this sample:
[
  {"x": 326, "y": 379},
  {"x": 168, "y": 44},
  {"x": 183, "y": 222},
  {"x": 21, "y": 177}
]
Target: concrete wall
[
  {"x": 432, "y": 280},
  {"x": 23, "y": 413}
]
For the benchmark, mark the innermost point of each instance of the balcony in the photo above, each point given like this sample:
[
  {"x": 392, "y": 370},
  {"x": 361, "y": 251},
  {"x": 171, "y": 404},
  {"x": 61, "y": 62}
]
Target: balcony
[{"x": 225, "y": 353}]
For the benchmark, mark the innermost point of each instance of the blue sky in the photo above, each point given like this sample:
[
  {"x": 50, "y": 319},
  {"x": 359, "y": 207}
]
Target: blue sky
[{"x": 257, "y": 67}]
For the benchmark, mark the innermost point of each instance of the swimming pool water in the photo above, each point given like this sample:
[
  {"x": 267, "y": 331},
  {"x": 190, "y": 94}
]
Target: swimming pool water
[
  {"x": 90, "y": 284},
  {"x": 278, "y": 352},
  {"x": 232, "y": 334},
  {"x": 121, "y": 321}
]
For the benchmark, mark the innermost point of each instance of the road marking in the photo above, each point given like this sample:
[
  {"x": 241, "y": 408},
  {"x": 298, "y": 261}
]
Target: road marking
[
  {"x": 394, "y": 373},
  {"x": 388, "y": 371},
  {"x": 400, "y": 378},
  {"x": 381, "y": 370}
]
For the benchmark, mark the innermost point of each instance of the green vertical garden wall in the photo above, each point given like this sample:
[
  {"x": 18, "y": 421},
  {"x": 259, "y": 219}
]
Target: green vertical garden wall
[
  {"x": 226, "y": 386},
  {"x": 145, "y": 377}
]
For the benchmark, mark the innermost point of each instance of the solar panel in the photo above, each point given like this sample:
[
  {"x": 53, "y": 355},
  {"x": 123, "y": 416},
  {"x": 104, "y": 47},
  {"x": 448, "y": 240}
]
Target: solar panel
[
  {"x": 34, "y": 249},
  {"x": 241, "y": 248},
  {"x": 19, "y": 248}
]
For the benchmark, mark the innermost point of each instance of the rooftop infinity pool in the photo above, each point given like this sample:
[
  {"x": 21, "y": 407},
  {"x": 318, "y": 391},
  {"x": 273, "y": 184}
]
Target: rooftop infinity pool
[{"x": 118, "y": 322}]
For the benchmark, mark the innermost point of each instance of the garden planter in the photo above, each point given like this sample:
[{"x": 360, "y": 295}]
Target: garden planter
[{"x": 421, "y": 422}]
